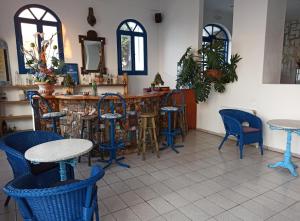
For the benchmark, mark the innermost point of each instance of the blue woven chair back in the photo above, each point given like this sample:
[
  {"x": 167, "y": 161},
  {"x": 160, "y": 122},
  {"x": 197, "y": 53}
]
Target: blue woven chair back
[
  {"x": 15, "y": 145},
  {"x": 239, "y": 115},
  {"x": 174, "y": 98},
  {"x": 22, "y": 141},
  {"x": 70, "y": 202},
  {"x": 116, "y": 104}
]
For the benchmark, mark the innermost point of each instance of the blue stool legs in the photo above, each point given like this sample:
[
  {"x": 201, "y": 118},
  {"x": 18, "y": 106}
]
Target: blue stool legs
[
  {"x": 170, "y": 135},
  {"x": 112, "y": 147}
]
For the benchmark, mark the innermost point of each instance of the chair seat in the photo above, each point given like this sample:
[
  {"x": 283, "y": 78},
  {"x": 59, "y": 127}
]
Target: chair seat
[
  {"x": 250, "y": 129},
  {"x": 111, "y": 116},
  {"x": 53, "y": 115},
  {"x": 169, "y": 108},
  {"x": 37, "y": 169}
]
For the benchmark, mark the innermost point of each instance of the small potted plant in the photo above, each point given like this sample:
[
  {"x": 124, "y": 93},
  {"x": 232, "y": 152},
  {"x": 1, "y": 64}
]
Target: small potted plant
[
  {"x": 99, "y": 78},
  {"x": 157, "y": 82},
  {"x": 69, "y": 84}
]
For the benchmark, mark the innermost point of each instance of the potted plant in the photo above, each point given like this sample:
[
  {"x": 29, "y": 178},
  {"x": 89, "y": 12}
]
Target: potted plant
[
  {"x": 157, "y": 82},
  {"x": 69, "y": 84},
  {"x": 99, "y": 78},
  {"x": 205, "y": 69},
  {"x": 43, "y": 63}
]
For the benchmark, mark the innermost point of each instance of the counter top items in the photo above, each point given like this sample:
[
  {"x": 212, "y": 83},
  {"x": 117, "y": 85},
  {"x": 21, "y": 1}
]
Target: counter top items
[
  {"x": 290, "y": 127},
  {"x": 234, "y": 121},
  {"x": 63, "y": 151}
]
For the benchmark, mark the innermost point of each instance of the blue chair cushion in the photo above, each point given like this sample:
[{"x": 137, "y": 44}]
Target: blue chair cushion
[
  {"x": 53, "y": 115},
  {"x": 111, "y": 116},
  {"x": 169, "y": 108}
]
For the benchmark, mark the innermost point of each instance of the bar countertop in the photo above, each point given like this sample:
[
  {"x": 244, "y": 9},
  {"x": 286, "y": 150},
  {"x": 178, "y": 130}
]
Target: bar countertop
[{"x": 90, "y": 97}]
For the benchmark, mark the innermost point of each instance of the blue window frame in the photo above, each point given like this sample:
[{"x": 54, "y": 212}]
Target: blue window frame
[
  {"x": 132, "y": 48},
  {"x": 212, "y": 32},
  {"x": 31, "y": 19}
]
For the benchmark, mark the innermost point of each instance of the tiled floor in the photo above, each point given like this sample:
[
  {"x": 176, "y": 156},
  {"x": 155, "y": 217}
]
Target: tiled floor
[{"x": 200, "y": 183}]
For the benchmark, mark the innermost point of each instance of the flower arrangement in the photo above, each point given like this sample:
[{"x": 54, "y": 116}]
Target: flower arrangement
[{"x": 42, "y": 62}]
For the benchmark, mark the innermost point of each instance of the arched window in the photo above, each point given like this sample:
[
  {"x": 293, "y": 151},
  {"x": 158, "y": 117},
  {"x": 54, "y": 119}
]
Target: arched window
[
  {"x": 214, "y": 32},
  {"x": 132, "y": 48},
  {"x": 31, "y": 19}
]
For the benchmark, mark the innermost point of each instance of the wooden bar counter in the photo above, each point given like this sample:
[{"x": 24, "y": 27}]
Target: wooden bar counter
[{"x": 76, "y": 106}]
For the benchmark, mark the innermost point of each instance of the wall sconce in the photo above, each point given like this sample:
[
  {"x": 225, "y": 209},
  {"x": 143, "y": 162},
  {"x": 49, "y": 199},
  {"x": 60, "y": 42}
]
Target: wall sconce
[{"x": 91, "y": 19}]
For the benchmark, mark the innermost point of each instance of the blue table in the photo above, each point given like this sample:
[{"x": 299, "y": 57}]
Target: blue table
[{"x": 290, "y": 127}]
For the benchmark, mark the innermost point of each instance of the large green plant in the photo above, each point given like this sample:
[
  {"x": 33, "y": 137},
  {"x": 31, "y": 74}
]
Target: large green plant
[{"x": 193, "y": 66}]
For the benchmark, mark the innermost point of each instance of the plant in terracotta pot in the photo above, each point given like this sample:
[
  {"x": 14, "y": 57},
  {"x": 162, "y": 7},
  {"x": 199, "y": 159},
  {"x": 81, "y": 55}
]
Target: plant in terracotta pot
[
  {"x": 43, "y": 63},
  {"x": 205, "y": 69},
  {"x": 69, "y": 84}
]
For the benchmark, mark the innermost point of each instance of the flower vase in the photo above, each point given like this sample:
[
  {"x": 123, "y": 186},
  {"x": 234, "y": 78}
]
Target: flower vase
[{"x": 45, "y": 89}]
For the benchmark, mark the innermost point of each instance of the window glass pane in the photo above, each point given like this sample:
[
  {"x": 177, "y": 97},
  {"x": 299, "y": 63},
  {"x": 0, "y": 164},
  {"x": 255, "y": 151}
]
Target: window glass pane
[
  {"x": 51, "y": 32},
  {"x": 131, "y": 25},
  {"x": 126, "y": 53},
  {"x": 216, "y": 30},
  {"x": 139, "y": 53},
  {"x": 221, "y": 35},
  {"x": 138, "y": 29},
  {"x": 38, "y": 12},
  {"x": 26, "y": 14},
  {"x": 124, "y": 28},
  {"x": 28, "y": 35},
  {"x": 49, "y": 17},
  {"x": 204, "y": 33},
  {"x": 208, "y": 29}
]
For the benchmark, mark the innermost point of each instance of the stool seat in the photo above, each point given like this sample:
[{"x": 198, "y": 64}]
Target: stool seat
[
  {"x": 89, "y": 117},
  {"x": 53, "y": 115},
  {"x": 111, "y": 116},
  {"x": 169, "y": 108}
]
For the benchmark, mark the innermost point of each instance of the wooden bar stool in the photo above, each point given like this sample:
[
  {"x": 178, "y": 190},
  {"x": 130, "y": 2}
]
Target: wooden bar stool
[
  {"x": 147, "y": 125},
  {"x": 87, "y": 124}
]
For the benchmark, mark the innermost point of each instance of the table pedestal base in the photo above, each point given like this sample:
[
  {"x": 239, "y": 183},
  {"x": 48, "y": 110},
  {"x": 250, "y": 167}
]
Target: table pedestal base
[
  {"x": 287, "y": 161},
  {"x": 62, "y": 168}
]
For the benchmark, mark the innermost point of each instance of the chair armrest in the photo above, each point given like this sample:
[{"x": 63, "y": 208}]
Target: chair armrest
[{"x": 232, "y": 125}]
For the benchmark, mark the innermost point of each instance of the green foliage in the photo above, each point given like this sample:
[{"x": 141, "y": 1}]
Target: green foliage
[
  {"x": 193, "y": 65},
  {"x": 68, "y": 81},
  {"x": 158, "y": 80}
]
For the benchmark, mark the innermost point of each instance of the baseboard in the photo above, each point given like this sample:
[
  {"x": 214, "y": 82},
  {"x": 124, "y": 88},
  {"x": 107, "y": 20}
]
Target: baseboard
[{"x": 233, "y": 138}]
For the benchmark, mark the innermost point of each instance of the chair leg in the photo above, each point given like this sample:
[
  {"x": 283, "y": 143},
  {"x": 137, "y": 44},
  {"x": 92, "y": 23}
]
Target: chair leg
[
  {"x": 224, "y": 139},
  {"x": 241, "y": 150},
  {"x": 7, "y": 201},
  {"x": 261, "y": 146}
]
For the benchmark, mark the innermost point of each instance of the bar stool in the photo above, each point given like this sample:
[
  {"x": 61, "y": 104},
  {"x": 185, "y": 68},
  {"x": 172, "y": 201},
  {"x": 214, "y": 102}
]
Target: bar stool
[
  {"x": 147, "y": 125},
  {"x": 112, "y": 117},
  {"x": 171, "y": 132},
  {"x": 87, "y": 124},
  {"x": 38, "y": 113}
]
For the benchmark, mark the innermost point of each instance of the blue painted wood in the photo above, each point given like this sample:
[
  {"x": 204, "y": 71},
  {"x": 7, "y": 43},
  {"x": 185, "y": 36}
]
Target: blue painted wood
[
  {"x": 132, "y": 34},
  {"x": 39, "y": 23},
  {"x": 63, "y": 168},
  {"x": 287, "y": 160}
]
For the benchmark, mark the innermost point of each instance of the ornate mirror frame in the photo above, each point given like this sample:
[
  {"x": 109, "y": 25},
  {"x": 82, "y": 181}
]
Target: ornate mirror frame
[
  {"x": 92, "y": 36},
  {"x": 5, "y": 74}
]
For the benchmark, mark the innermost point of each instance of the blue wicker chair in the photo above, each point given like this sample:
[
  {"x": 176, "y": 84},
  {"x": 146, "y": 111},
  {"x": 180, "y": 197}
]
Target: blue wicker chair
[
  {"x": 73, "y": 201},
  {"x": 15, "y": 145},
  {"x": 234, "y": 123}
]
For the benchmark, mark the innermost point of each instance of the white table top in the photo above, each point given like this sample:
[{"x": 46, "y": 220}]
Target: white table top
[
  {"x": 58, "y": 150},
  {"x": 285, "y": 124}
]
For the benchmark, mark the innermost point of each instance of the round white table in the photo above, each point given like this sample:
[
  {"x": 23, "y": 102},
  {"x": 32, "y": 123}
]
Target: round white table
[
  {"x": 289, "y": 126},
  {"x": 63, "y": 151}
]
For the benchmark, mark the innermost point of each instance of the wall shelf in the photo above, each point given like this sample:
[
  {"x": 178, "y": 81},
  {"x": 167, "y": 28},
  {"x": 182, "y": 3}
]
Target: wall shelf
[
  {"x": 14, "y": 102},
  {"x": 17, "y": 117}
]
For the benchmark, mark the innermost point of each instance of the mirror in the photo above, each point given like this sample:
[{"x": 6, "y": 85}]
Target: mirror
[
  {"x": 5, "y": 76},
  {"x": 92, "y": 50}
]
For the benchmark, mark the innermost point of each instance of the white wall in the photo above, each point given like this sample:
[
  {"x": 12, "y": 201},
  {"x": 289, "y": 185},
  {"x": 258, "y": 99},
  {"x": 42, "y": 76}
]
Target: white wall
[
  {"x": 179, "y": 30},
  {"x": 73, "y": 14},
  {"x": 269, "y": 100}
]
